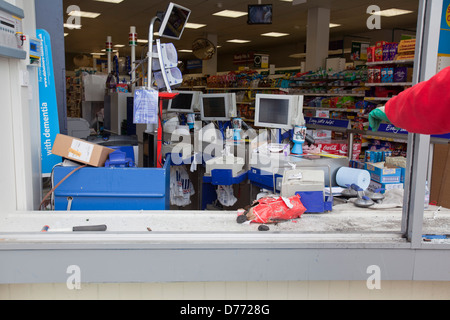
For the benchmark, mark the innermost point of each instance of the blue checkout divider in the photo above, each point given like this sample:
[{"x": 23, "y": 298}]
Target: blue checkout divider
[
  {"x": 219, "y": 177},
  {"x": 113, "y": 189},
  {"x": 314, "y": 201},
  {"x": 263, "y": 179},
  {"x": 224, "y": 177}
]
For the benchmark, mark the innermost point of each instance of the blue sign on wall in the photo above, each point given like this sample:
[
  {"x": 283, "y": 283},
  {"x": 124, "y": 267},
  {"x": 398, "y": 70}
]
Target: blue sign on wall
[
  {"x": 48, "y": 106},
  {"x": 444, "y": 42},
  {"x": 328, "y": 122},
  {"x": 194, "y": 64}
]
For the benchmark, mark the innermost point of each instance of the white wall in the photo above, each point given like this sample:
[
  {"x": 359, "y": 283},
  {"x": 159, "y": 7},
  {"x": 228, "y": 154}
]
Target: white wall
[
  {"x": 279, "y": 290},
  {"x": 7, "y": 165},
  {"x": 19, "y": 128}
]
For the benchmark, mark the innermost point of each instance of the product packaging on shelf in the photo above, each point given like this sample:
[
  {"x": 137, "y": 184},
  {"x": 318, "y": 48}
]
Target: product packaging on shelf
[
  {"x": 379, "y": 50},
  {"x": 403, "y": 74},
  {"x": 371, "y": 54},
  {"x": 387, "y": 75},
  {"x": 387, "y": 52},
  {"x": 393, "y": 51}
]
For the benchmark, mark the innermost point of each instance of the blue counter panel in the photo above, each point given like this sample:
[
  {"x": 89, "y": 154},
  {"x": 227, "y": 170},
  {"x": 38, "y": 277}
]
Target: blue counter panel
[{"x": 113, "y": 189}]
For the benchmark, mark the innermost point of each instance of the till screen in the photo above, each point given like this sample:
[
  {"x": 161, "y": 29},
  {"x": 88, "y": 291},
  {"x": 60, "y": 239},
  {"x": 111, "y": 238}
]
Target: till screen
[
  {"x": 214, "y": 108},
  {"x": 274, "y": 111},
  {"x": 176, "y": 23},
  {"x": 182, "y": 102}
]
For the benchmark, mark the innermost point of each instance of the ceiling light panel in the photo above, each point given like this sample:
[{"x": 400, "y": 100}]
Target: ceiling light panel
[
  {"x": 238, "y": 41},
  {"x": 392, "y": 12},
  {"x": 275, "y": 34},
  {"x": 195, "y": 25},
  {"x": 84, "y": 14},
  {"x": 110, "y": 1},
  {"x": 230, "y": 14},
  {"x": 72, "y": 26}
]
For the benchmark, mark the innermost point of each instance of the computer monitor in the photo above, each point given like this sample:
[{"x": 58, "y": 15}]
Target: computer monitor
[
  {"x": 174, "y": 21},
  {"x": 278, "y": 111},
  {"x": 218, "y": 106},
  {"x": 260, "y": 14},
  {"x": 184, "y": 102}
]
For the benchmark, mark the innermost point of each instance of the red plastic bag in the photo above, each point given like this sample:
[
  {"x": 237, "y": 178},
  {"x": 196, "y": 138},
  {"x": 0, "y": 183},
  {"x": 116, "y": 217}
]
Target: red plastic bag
[{"x": 272, "y": 210}]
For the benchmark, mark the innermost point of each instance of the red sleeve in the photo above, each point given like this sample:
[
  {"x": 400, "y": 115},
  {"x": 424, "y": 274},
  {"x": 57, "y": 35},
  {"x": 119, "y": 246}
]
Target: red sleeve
[{"x": 424, "y": 108}]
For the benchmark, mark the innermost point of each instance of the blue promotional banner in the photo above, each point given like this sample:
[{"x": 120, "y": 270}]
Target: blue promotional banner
[
  {"x": 389, "y": 128},
  {"x": 328, "y": 122},
  {"x": 444, "y": 42},
  {"x": 47, "y": 105}
]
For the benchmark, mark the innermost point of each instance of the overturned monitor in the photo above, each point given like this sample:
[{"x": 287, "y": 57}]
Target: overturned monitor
[
  {"x": 184, "y": 102},
  {"x": 174, "y": 21},
  {"x": 218, "y": 107},
  {"x": 260, "y": 14}
]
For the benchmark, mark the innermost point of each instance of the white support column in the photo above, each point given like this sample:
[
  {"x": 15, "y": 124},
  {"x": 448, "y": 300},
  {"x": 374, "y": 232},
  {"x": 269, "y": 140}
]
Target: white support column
[
  {"x": 317, "y": 38},
  {"x": 19, "y": 128},
  {"x": 425, "y": 67},
  {"x": 210, "y": 66},
  {"x": 133, "y": 43},
  {"x": 109, "y": 52}
]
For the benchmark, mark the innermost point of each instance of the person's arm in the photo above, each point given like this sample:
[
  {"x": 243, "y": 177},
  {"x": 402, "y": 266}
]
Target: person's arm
[{"x": 424, "y": 108}]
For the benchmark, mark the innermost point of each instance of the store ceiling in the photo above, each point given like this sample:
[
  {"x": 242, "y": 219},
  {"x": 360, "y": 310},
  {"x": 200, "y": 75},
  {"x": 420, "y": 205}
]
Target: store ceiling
[{"x": 115, "y": 20}]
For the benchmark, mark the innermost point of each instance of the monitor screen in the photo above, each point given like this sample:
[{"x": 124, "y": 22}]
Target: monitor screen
[
  {"x": 214, "y": 107},
  {"x": 174, "y": 21},
  {"x": 182, "y": 102},
  {"x": 274, "y": 111},
  {"x": 260, "y": 14}
]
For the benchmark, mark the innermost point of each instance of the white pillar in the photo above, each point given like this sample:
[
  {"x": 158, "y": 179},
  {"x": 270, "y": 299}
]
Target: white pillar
[
  {"x": 210, "y": 66},
  {"x": 318, "y": 38},
  {"x": 109, "y": 52},
  {"x": 133, "y": 43}
]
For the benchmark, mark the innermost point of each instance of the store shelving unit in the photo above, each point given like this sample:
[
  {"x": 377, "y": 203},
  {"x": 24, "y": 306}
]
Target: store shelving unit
[
  {"x": 377, "y": 100},
  {"x": 74, "y": 93}
]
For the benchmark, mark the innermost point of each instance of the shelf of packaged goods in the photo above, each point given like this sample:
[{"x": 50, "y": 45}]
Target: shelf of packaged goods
[
  {"x": 243, "y": 88},
  {"x": 331, "y": 78},
  {"x": 392, "y": 137},
  {"x": 192, "y": 87},
  {"x": 390, "y": 84},
  {"x": 378, "y": 99},
  {"x": 375, "y": 63},
  {"x": 360, "y": 95},
  {"x": 325, "y": 85}
]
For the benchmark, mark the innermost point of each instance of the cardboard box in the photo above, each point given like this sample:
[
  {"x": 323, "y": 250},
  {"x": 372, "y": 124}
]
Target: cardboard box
[
  {"x": 373, "y": 186},
  {"x": 80, "y": 151},
  {"x": 379, "y": 173},
  {"x": 440, "y": 179}
]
